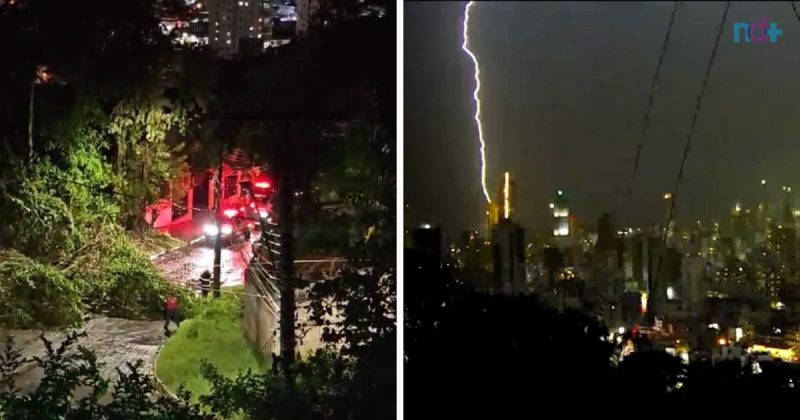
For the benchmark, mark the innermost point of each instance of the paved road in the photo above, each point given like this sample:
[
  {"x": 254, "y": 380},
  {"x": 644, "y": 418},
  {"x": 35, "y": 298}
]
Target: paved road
[
  {"x": 114, "y": 341},
  {"x": 185, "y": 265}
]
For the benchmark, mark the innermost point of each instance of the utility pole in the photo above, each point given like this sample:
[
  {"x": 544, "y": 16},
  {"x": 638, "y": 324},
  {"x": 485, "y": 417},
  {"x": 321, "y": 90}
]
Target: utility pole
[
  {"x": 30, "y": 119},
  {"x": 286, "y": 263},
  {"x": 218, "y": 219},
  {"x": 41, "y": 76}
]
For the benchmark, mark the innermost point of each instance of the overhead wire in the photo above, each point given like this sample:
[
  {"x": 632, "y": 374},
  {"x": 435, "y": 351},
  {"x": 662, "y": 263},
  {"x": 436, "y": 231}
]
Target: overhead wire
[
  {"x": 650, "y": 99},
  {"x": 794, "y": 7},
  {"x": 654, "y": 83},
  {"x": 687, "y": 147}
]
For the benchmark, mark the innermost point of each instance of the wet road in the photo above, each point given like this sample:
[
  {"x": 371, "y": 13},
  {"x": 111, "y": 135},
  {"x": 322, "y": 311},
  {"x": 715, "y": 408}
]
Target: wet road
[
  {"x": 114, "y": 341},
  {"x": 185, "y": 265}
]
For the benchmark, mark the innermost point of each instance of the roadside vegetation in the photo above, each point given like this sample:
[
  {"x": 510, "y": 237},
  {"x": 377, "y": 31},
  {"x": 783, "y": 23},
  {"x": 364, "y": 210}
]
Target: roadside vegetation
[{"x": 215, "y": 335}]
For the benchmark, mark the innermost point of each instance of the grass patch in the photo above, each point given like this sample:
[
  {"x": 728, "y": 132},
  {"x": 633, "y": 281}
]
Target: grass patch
[{"x": 215, "y": 334}]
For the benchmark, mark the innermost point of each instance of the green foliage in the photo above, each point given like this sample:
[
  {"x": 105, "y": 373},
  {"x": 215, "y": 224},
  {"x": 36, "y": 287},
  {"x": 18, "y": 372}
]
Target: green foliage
[
  {"x": 67, "y": 234},
  {"x": 268, "y": 395},
  {"x": 135, "y": 287},
  {"x": 214, "y": 335},
  {"x": 111, "y": 276},
  {"x": 31, "y": 206},
  {"x": 34, "y": 294},
  {"x": 115, "y": 134},
  {"x": 61, "y": 213},
  {"x": 67, "y": 369},
  {"x": 352, "y": 195},
  {"x": 146, "y": 163}
]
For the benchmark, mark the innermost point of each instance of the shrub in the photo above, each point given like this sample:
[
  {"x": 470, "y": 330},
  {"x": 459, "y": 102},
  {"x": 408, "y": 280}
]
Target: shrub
[{"x": 34, "y": 294}]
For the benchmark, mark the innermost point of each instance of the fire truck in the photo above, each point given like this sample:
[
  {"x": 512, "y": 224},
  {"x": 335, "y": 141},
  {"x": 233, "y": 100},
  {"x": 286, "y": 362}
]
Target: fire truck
[{"x": 241, "y": 214}]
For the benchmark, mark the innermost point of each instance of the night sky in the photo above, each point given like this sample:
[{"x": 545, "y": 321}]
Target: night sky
[{"x": 564, "y": 91}]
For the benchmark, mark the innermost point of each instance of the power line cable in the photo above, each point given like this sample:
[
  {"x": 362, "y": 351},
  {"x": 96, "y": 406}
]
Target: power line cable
[
  {"x": 687, "y": 147},
  {"x": 645, "y": 134},
  {"x": 794, "y": 7}
]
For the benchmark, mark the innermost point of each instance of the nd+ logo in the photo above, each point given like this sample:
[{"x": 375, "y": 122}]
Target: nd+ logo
[{"x": 757, "y": 32}]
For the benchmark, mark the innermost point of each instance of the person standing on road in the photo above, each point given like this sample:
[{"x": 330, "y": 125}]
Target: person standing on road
[
  {"x": 205, "y": 283},
  {"x": 171, "y": 312}
]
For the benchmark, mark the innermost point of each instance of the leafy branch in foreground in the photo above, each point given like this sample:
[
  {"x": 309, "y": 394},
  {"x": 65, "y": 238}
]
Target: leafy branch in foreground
[{"x": 72, "y": 387}]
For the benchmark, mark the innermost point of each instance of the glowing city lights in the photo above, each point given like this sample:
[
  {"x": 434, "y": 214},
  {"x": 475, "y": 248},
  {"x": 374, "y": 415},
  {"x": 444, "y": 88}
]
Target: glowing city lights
[
  {"x": 507, "y": 195},
  {"x": 476, "y": 98}
]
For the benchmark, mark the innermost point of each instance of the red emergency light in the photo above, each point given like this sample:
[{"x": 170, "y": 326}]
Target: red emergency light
[
  {"x": 262, "y": 182},
  {"x": 230, "y": 212}
]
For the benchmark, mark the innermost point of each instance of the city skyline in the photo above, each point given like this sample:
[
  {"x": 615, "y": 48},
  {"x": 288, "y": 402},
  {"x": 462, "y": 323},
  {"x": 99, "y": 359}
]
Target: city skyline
[{"x": 540, "y": 110}]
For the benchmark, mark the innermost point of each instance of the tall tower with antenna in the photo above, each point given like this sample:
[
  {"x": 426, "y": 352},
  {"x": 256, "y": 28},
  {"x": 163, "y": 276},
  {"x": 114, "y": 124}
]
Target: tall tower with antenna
[
  {"x": 508, "y": 242},
  {"x": 501, "y": 208}
]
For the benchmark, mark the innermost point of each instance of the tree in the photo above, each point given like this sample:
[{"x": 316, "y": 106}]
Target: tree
[
  {"x": 146, "y": 164},
  {"x": 72, "y": 388},
  {"x": 651, "y": 374},
  {"x": 283, "y": 105},
  {"x": 468, "y": 352},
  {"x": 106, "y": 146}
]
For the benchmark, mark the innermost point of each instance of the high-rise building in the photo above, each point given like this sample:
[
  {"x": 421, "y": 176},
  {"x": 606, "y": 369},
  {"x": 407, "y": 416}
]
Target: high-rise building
[
  {"x": 638, "y": 255},
  {"x": 500, "y": 208},
  {"x": 762, "y": 214},
  {"x": 428, "y": 240},
  {"x": 232, "y": 21},
  {"x": 775, "y": 283},
  {"x": 553, "y": 260},
  {"x": 693, "y": 284},
  {"x": 306, "y": 9},
  {"x": 606, "y": 233},
  {"x": 742, "y": 224},
  {"x": 787, "y": 215},
  {"x": 508, "y": 243},
  {"x": 492, "y": 218},
  {"x": 507, "y": 193},
  {"x": 560, "y": 209},
  {"x": 188, "y": 25},
  {"x": 783, "y": 242}
]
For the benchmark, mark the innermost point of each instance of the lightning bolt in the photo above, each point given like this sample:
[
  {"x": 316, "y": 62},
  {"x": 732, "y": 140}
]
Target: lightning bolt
[{"x": 476, "y": 98}]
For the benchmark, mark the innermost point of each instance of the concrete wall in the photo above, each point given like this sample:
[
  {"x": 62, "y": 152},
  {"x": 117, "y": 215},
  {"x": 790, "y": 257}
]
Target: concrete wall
[
  {"x": 312, "y": 338},
  {"x": 260, "y": 323}
]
